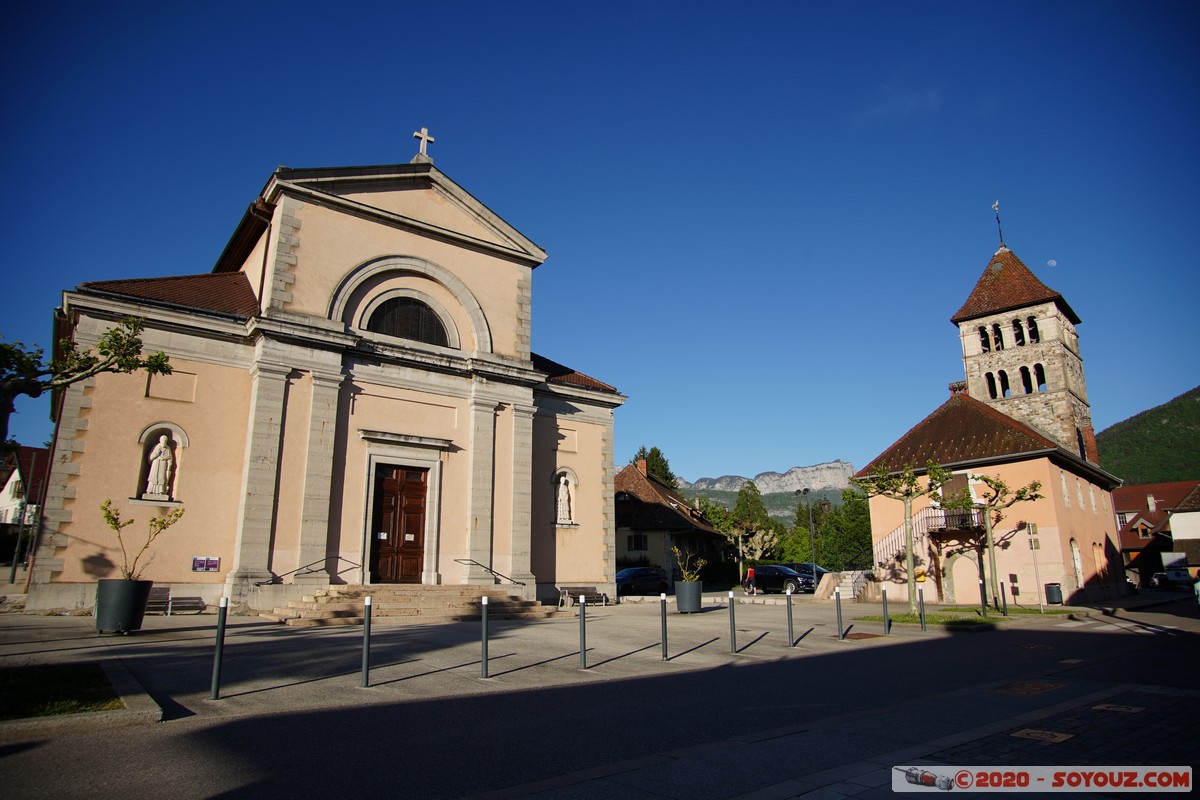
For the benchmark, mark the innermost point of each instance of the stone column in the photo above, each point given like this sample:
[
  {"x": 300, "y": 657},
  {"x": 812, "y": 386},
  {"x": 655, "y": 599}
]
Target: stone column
[
  {"x": 318, "y": 478},
  {"x": 256, "y": 509},
  {"x": 481, "y": 487},
  {"x": 522, "y": 488}
]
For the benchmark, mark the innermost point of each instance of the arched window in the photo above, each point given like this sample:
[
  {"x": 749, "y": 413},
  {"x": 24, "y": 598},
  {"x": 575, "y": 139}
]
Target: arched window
[
  {"x": 1026, "y": 380},
  {"x": 991, "y": 382},
  {"x": 997, "y": 337},
  {"x": 408, "y": 318},
  {"x": 1005, "y": 389},
  {"x": 1039, "y": 374},
  {"x": 984, "y": 341},
  {"x": 1034, "y": 336},
  {"x": 1018, "y": 333}
]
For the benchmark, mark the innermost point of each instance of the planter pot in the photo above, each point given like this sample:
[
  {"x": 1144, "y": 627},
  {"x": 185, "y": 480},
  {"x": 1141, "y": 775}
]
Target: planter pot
[
  {"x": 687, "y": 596},
  {"x": 121, "y": 604}
]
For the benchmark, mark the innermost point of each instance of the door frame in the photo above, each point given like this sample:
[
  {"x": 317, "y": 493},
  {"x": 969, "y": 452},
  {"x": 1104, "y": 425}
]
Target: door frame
[{"x": 401, "y": 450}]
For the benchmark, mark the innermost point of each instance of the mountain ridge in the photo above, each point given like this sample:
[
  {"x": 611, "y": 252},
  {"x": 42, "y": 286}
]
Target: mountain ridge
[{"x": 827, "y": 475}]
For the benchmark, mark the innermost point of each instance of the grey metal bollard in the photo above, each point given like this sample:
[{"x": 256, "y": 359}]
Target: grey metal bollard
[
  {"x": 366, "y": 655},
  {"x": 886, "y": 624},
  {"x": 663, "y": 599},
  {"x": 483, "y": 643},
  {"x": 921, "y": 600},
  {"x": 222, "y": 611},
  {"x": 982, "y": 597},
  {"x": 582, "y": 632},
  {"x": 1003, "y": 600},
  {"x": 837, "y": 599},
  {"x": 791, "y": 631},
  {"x": 732, "y": 627}
]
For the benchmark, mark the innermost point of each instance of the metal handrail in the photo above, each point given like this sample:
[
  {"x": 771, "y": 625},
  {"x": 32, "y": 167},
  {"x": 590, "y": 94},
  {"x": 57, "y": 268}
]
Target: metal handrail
[
  {"x": 279, "y": 578},
  {"x": 473, "y": 562}
]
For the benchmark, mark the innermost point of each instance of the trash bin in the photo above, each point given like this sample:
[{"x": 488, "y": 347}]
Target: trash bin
[{"x": 1054, "y": 593}]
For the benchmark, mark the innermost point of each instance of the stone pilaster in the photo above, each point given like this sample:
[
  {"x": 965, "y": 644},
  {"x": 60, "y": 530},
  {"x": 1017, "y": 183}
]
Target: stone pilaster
[
  {"x": 522, "y": 488},
  {"x": 318, "y": 478},
  {"x": 481, "y": 487},
  {"x": 260, "y": 473}
]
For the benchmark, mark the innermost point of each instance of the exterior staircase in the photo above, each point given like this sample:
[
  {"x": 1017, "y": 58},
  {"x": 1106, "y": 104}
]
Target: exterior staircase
[{"x": 405, "y": 603}]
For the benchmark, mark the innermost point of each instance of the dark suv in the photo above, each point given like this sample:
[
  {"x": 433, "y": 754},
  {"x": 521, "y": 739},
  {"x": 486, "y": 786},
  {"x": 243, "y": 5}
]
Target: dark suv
[
  {"x": 778, "y": 578},
  {"x": 641, "y": 580},
  {"x": 805, "y": 569}
]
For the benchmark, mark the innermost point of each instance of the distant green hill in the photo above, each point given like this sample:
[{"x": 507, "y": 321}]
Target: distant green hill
[{"x": 1156, "y": 446}]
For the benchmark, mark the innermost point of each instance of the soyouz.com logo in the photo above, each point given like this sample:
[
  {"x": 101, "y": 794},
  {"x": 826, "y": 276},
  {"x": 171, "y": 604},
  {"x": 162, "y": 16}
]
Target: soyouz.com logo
[{"x": 1041, "y": 779}]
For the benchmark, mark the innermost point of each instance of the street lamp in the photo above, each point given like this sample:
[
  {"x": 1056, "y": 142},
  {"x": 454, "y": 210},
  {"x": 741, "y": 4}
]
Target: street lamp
[{"x": 812, "y": 551}]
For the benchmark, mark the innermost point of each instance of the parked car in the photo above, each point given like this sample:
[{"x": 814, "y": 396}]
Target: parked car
[
  {"x": 806, "y": 571},
  {"x": 778, "y": 578},
  {"x": 642, "y": 580}
]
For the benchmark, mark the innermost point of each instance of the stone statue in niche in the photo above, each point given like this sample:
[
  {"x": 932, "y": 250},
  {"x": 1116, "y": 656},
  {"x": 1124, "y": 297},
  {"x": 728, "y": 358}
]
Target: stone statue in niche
[
  {"x": 158, "y": 481},
  {"x": 564, "y": 501}
]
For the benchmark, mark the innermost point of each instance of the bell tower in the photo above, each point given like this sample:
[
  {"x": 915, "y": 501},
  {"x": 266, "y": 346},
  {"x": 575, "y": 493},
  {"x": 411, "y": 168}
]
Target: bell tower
[{"x": 1021, "y": 353}]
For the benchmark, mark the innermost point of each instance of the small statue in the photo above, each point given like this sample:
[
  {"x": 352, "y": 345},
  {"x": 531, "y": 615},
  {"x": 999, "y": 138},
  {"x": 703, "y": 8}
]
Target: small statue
[
  {"x": 158, "y": 482},
  {"x": 564, "y": 501}
]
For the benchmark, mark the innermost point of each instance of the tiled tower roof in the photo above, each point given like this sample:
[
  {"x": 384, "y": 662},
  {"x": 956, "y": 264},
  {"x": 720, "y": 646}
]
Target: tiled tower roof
[{"x": 1005, "y": 284}]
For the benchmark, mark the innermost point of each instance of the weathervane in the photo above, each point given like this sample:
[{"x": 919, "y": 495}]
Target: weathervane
[{"x": 996, "y": 208}]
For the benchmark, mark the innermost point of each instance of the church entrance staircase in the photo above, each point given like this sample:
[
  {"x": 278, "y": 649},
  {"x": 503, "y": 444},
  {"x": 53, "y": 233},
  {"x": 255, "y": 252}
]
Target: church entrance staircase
[{"x": 404, "y": 603}]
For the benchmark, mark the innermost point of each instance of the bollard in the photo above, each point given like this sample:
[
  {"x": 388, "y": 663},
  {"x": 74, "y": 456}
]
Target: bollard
[
  {"x": 921, "y": 600},
  {"x": 1003, "y": 600},
  {"x": 886, "y": 625},
  {"x": 582, "y": 632},
  {"x": 216, "y": 675},
  {"x": 732, "y": 627},
  {"x": 982, "y": 597},
  {"x": 663, "y": 598},
  {"x": 483, "y": 643},
  {"x": 837, "y": 599},
  {"x": 366, "y": 663},
  {"x": 791, "y": 632}
]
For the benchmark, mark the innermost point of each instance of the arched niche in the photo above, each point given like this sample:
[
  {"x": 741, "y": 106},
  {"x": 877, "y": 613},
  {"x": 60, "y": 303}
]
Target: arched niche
[{"x": 161, "y": 446}]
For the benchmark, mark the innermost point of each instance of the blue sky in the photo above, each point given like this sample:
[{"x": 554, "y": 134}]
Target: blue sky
[{"x": 760, "y": 216}]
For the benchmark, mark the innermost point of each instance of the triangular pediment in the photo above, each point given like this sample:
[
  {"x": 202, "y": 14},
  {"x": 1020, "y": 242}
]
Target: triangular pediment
[{"x": 417, "y": 196}]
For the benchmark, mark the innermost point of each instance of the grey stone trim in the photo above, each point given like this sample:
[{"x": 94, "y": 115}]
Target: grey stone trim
[
  {"x": 287, "y": 242},
  {"x": 608, "y": 514},
  {"x": 318, "y": 476},
  {"x": 522, "y": 491},
  {"x": 404, "y": 439},
  {"x": 339, "y": 304},
  {"x": 524, "y": 313},
  {"x": 482, "y": 447},
  {"x": 64, "y": 469}
]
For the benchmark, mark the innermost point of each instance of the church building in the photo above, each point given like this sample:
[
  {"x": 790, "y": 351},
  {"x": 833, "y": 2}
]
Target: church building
[
  {"x": 1022, "y": 416},
  {"x": 352, "y": 400}
]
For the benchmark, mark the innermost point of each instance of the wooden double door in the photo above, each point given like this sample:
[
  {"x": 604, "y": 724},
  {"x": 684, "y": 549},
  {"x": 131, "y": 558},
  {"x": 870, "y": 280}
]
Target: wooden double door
[{"x": 398, "y": 524}]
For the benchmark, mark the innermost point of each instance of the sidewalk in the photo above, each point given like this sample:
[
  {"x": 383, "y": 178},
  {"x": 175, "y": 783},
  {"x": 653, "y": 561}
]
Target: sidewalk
[{"x": 270, "y": 670}]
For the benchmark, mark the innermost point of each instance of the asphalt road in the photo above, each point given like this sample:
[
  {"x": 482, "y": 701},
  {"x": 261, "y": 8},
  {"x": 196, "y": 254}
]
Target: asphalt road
[{"x": 294, "y": 722}]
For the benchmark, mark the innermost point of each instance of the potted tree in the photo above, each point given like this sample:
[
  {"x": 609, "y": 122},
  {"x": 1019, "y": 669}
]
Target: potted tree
[
  {"x": 689, "y": 590},
  {"x": 121, "y": 602}
]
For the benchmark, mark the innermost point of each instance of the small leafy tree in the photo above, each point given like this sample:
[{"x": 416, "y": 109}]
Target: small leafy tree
[
  {"x": 905, "y": 486},
  {"x": 689, "y": 565},
  {"x": 112, "y": 518},
  {"x": 23, "y": 370},
  {"x": 996, "y": 498}
]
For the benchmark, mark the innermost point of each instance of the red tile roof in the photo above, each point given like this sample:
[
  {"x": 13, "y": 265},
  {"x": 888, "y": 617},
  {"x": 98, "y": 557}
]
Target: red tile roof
[
  {"x": 660, "y": 507},
  {"x": 222, "y": 292},
  {"x": 557, "y": 373},
  {"x": 1134, "y": 501},
  {"x": 1006, "y": 284},
  {"x": 31, "y": 462},
  {"x": 962, "y": 429}
]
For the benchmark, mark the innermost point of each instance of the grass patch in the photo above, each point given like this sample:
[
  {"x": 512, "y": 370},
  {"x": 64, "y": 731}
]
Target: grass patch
[
  {"x": 44, "y": 691},
  {"x": 959, "y": 616}
]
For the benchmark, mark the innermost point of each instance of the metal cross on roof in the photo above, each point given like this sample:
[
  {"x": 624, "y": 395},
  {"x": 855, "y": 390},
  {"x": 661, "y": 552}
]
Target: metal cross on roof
[
  {"x": 425, "y": 138},
  {"x": 995, "y": 207}
]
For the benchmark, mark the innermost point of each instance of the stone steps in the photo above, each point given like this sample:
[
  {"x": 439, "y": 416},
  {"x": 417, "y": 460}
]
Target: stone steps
[{"x": 343, "y": 605}]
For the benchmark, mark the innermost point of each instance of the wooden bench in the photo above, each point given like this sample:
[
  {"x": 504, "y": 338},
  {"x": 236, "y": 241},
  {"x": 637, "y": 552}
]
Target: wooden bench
[
  {"x": 163, "y": 602},
  {"x": 571, "y": 595}
]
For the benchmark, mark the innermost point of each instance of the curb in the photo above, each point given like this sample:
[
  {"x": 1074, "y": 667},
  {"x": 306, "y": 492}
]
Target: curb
[{"x": 140, "y": 709}]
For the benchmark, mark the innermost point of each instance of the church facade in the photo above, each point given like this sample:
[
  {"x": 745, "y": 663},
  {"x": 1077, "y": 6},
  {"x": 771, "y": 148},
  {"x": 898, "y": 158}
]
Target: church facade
[
  {"x": 353, "y": 401},
  {"x": 1022, "y": 416}
]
